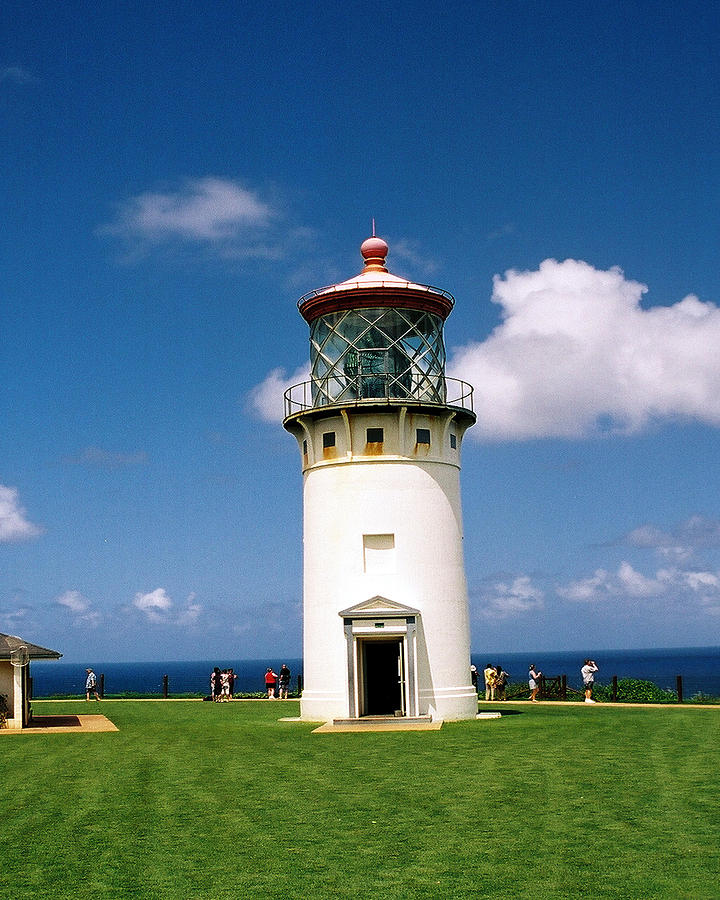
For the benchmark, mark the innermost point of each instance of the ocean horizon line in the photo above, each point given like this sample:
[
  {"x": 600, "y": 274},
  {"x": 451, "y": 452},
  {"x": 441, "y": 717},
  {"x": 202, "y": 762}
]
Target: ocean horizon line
[{"x": 86, "y": 660}]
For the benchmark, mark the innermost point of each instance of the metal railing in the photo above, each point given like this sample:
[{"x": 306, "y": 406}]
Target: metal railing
[
  {"x": 377, "y": 389},
  {"x": 380, "y": 283}
]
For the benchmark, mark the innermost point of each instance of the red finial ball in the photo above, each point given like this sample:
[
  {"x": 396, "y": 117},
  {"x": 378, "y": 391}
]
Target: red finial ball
[{"x": 374, "y": 250}]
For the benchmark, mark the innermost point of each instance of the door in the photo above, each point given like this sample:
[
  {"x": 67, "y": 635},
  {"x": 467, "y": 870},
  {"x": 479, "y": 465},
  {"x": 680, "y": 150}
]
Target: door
[{"x": 383, "y": 677}]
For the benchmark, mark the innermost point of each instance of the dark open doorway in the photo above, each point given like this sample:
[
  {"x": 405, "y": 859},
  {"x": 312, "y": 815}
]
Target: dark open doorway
[{"x": 383, "y": 677}]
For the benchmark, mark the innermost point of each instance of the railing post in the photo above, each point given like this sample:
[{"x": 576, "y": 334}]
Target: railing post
[
  {"x": 300, "y": 685},
  {"x": 678, "y": 680},
  {"x": 542, "y": 687},
  {"x": 563, "y": 687},
  {"x": 165, "y": 687},
  {"x": 614, "y": 689},
  {"x": 101, "y": 685}
]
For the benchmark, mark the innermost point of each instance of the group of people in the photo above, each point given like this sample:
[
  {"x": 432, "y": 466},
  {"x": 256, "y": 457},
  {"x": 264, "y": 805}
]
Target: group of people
[
  {"x": 496, "y": 679},
  {"x": 222, "y": 685},
  {"x": 588, "y": 671},
  {"x": 279, "y": 682}
]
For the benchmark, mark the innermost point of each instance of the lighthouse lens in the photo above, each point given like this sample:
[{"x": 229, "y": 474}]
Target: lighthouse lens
[{"x": 363, "y": 354}]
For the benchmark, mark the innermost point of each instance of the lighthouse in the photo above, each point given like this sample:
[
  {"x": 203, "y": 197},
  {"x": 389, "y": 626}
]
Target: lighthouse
[{"x": 380, "y": 428}]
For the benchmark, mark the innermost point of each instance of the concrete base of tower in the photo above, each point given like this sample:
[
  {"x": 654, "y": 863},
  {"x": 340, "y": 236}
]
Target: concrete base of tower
[
  {"x": 320, "y": 707},
  {"x": 451, "y": 705}
]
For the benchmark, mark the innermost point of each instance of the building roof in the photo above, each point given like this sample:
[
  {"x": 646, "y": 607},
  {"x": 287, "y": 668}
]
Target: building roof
[
  {"x": 9, "y": 642},
  {"x": 373, "y": 287}
]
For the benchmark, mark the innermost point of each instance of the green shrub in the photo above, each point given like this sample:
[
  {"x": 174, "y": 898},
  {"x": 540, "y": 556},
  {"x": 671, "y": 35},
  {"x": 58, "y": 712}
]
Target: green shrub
[
  {"x": 634, "y": 690},
  {"x": 703, "y": 698}
]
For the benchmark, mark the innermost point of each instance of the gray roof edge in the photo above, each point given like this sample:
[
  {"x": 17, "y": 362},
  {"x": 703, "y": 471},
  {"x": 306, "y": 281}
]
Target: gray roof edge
[{"x": 10, "y": 642}]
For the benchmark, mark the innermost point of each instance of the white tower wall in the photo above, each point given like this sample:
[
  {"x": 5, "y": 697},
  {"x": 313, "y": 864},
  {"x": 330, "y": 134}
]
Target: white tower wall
[
  {"x": 379, "y": 427},
  {"x": 350, "y": 498}
]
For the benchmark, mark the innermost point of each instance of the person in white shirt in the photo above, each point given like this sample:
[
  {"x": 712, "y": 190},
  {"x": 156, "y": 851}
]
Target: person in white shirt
[{"x": 588, "y": 676}]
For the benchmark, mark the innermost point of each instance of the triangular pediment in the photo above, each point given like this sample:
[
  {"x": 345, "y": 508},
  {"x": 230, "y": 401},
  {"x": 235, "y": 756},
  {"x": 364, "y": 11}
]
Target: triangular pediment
[{"x": 376, "y": 607}]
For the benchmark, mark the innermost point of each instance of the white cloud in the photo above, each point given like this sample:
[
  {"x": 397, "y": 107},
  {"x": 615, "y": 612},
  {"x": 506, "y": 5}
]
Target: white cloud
[
  {"x": 265, "y": 400},
  {"x": 591, "y": 589},
  {"x": 74, "y": 601},
  {"x": 602, "y": 585},
  {"x": 154, "y": 605},
  {"x": 14, "y": 526},
  {"x": 576, "y": 355},
  {"x": 191, "y": 613},
  {"x": 79, "y": 606},
  {"x": 506, "y": 598},
  {"x": 681, "y": 543},
  {"x": 214, "y": 212},
  {"x": 633, "y": 584}
]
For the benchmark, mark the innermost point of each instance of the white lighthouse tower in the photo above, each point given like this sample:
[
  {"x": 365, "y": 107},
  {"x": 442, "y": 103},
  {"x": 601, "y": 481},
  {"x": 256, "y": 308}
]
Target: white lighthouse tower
[{"x": 380, "y": 430}]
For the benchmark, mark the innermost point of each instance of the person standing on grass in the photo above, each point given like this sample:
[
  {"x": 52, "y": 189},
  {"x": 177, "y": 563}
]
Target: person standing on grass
[
  {"x": 501, "y": 680},
  {"x": 489, "y": 673},
  {"x": 284, "y": 681},
  {"x": 91, "y": 685},
  {"x": 588, "y": 676},
  {"x": 534, "y": 682},
  {"x": 225, "y": 686},
  {"x": 270, "y": 683},
  {"x": 216, "y": 684}
]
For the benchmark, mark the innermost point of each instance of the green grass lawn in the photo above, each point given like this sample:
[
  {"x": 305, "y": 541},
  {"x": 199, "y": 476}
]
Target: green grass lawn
[{"x": 208, "y": 801}]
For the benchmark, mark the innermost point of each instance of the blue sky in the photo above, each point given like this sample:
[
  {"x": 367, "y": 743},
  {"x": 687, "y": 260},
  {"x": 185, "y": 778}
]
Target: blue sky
[{"x": 176, "y": 175}]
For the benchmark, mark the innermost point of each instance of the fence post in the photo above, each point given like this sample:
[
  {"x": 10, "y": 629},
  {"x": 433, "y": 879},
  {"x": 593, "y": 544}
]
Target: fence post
[
  {"x": 614, "y": 689},
  {"x": 678, "y": 680},
  {"x": 563, "y": 687},
  {"x": 101, "y": 685},
  {"x": 165, "y": 687},
  {"x": 300, "y": 685},
  {"x": 542, "y": 687}
]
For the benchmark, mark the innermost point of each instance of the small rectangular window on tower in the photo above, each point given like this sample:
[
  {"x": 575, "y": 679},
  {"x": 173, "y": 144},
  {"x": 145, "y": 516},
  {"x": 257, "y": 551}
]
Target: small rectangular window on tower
[
  {"x": 328, "y": 439},
  {"x": 453, "y": 441},
  {"x": 379, "y": 554},
  {"x": 375, "y": 436},
  {"x": 305, "y": 448},
  {"x": 422, "y": 436}
]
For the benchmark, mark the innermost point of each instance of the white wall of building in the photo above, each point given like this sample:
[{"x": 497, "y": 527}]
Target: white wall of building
[{"x": 411, "y": 492}]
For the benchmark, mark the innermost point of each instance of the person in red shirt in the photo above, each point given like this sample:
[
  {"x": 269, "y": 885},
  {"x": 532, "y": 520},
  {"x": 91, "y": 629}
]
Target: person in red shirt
[{"x": 270, "y": 683}]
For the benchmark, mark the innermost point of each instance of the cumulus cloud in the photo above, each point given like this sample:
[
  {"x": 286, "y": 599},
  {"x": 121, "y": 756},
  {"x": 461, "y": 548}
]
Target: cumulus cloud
[
  {"x": 74, "y": 601},
  {"x": 682, "y": 587},
  {"x": 634, "y": 584},
  {"x": 79, "y": 606},
  {"x": 590, "y": 589},
  {"x": 155, "y": 604},
  {"x": 499, "y": 599},
  {"x": 14, "y": 525},
  {"x": 576, "y": 355},
  {"x": 191, "y": 613},
  {"x": 217, "y": 213},
  {"x": 602, "y": 585},
  {"x": 158, "y": 607},
  {"x": 265, "y": 400},
  {"x": 681, "y": 543}
]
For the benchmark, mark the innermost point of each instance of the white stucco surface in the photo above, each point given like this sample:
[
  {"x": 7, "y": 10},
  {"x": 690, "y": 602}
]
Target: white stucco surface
[{"x": 412, "y": 494}]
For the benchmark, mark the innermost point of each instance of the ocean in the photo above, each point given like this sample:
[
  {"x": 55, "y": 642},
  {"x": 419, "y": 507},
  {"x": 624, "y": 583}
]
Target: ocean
[{"x": 699, "y": 667}]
